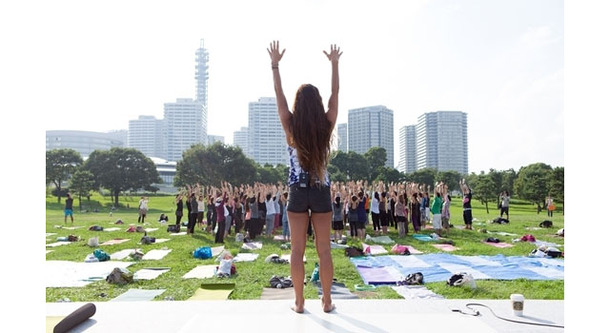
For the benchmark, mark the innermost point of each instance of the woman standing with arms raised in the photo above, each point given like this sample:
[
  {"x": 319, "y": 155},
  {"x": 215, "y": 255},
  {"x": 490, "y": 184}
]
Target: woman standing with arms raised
[{"x": 308, "y": 129}]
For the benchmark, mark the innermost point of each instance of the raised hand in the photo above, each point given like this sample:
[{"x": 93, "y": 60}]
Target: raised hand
[
  {"x": 335, "y": 53},
  {"x": 274, "y": 52}
]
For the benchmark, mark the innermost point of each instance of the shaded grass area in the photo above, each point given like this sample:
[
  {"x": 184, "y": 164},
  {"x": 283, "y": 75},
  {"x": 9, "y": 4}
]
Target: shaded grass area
[{"x": 252, "y": 277}]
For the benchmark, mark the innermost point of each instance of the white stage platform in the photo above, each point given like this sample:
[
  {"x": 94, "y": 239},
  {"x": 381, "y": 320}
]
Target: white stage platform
[{"x": 377, "y": 316}]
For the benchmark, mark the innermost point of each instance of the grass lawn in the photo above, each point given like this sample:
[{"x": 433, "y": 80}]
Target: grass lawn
[{"x": 251, "y": 277}]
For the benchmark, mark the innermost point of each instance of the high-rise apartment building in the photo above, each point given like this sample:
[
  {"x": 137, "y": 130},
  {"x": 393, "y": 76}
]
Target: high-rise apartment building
[
  {"x": 184, "y": 121},
  {"x": 266, "y": 138},
  {"x": 442, "y": 141},
  {"x": 148, "y": 135},
  {"x": 240, "y": 139},
  {"x": 342, "y": 137},
  {"x": 407, "y": 148},
  {"x": 369, "y": 127}
]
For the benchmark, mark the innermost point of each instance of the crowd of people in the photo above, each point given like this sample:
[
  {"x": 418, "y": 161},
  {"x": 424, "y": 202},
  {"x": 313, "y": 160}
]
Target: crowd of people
[{"x": 259, "y": 210}]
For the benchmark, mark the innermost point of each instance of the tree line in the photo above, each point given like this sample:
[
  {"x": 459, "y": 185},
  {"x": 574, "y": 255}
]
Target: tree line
[{"x": 127, "y": 169}]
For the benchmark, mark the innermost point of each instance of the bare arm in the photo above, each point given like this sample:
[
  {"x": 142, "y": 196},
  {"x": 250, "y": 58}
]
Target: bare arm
[
  {"x": 282, "y": 104},
  {"x": 333, "y": 102}
]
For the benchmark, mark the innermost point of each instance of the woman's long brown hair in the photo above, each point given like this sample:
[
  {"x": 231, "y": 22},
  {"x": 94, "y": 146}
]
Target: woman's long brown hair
[{"x": 311, "y": 131}]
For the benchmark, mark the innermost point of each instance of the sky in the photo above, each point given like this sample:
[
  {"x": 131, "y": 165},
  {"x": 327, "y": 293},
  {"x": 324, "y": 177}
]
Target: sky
[{"x": 97, "y": 65}]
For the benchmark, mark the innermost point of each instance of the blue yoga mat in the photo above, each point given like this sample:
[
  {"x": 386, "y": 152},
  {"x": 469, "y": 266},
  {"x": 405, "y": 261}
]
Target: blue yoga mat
[{"x": 440, "y": 266}]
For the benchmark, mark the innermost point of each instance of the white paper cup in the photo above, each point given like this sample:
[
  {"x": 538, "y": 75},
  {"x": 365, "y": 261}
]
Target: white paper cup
[{"x": 517, "y": 301}]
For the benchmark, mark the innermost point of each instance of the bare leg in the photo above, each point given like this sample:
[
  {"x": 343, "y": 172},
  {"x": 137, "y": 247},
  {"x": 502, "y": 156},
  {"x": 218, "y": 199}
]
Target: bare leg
[
  {"x": 321, "y": 227},
  {"x": 298, "y": 238}
]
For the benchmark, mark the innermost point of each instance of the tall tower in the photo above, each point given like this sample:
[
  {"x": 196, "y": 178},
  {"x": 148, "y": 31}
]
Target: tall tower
[
  {"x": 371, "y": 126},
  {"x": 266, "y": 138},
  {"x": 442, "y": 141},
  {"x": 201, "y": 77}
]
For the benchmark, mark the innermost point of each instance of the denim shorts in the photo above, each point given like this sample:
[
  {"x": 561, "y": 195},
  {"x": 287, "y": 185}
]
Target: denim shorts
[{"x": 302, "y": 199}]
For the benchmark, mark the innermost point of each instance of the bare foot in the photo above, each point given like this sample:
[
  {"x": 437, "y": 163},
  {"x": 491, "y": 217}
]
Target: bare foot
[
  {"x": 328, "y": 307},
  {"x": 297, "y": 308}
]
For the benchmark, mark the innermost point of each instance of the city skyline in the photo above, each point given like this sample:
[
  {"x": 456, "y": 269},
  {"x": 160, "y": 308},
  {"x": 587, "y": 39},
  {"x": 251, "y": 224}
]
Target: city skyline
[{"x": 501, "y": 62}]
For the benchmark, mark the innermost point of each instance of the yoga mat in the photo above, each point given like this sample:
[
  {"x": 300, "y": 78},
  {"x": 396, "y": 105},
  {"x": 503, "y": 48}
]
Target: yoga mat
[
  {"x": 338, "y": 290},
  {"x": 413, "y": 250},
  {"x": 380, "y": 239},
  {"x": 68, "y": 228},
  {"x": 120, "y": 255},
  {"x": 151, "y": 229},
  {"x": 217, "y": 250},
  {"x": 138, "y": 295},
  {"x": 177, "y": 233},
  {"x": 59, "y": 273},
  {"x": 115, "y": 241},
  {"x": 277, "y": 293},
  {"x": 61, "y": 324},
  {"x": 287, "y": 257},
  {"x": 245, "y": 257},
  {"x": 156, "y": 254},
  {"x": 149, "y": 273},
  {"x": 217, "y": 291},
  {"x": 50, "y": 234},
  {"x": 440, "y": 266},
  {"x": 416, "y": 292},
  {"x": 445, "y": 247},
  {"x": 423, "y": 238},
  {"x": 334, "y": 245},
  {"x": 161, "y": 240},
  {"x": 60, "y": 243},
  {"x": 374, "y": 249},
  {"x": 111, "y": 229},
  {"x": 252, "y": 246},
  {"x": 49, "y": 251},
  {"x": 200, "y": 272},
  {"x": 500, "y": 245},
  {"x": 502, "y": 233}
]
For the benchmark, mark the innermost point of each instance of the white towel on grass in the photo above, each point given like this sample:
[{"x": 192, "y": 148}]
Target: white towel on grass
[{"x": 156, "y": 254}]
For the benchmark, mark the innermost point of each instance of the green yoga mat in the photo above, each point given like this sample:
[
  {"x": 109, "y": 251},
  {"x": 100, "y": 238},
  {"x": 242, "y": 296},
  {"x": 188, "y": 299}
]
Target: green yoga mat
[
  {"x": 216, "y": 291},
  {"x": 277, "y": 293}
]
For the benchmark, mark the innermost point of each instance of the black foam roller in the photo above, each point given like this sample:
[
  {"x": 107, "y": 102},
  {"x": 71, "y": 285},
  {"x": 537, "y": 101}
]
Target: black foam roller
[{"x": 73, "y": 319}]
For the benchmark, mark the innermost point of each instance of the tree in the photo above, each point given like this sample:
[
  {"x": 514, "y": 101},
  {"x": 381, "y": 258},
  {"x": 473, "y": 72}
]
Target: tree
[
  {"x": 376, "y": 158},
  {"x": 424, "y": 177},
  {"x": 451, "y": 178},
  {"x": 335, "y": 174},
  {"x": 532, "y": 183},
  {"x": 352, "y": 164},
  {"x": 556, "y": 184},
  {"x": 61, "y": 163},
  {"x": 211, "y": 165},
  {"x": 82, "y": 183},
  {"x": 486, "y": 190},
  {"x": 268, "y": 174},
  {"x": 508, "y": 180},
  {"x": 121, "y": 169},
  {"x": 389, "y": 175}
]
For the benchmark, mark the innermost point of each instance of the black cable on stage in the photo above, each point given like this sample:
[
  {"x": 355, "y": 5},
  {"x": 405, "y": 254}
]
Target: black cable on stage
[{"x": 477, "y": 313}]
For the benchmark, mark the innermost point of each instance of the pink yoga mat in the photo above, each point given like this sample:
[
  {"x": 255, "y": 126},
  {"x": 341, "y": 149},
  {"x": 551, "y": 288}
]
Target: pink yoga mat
[
  {"x": 114, "y": 241},
  {"x": 445, "y": 247}
]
